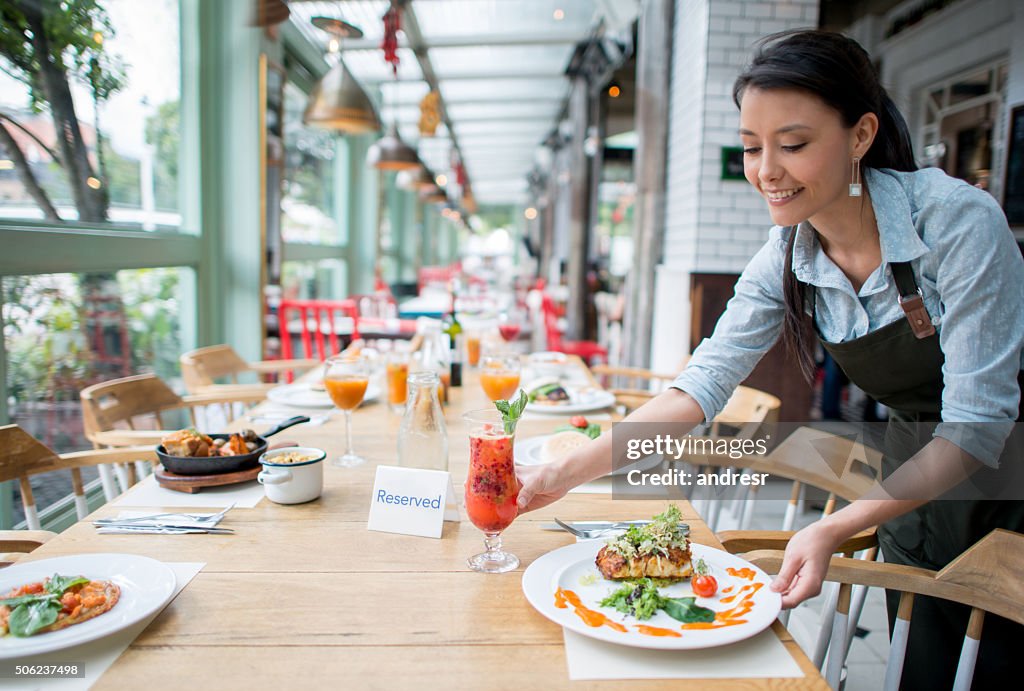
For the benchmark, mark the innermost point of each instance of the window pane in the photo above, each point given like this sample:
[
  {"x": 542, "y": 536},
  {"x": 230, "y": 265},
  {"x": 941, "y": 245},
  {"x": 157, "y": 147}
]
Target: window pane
[
  {"x": 131, "y": 138},
  {"x": 319, "y": 280},
  {"x": 307, "y": 206},
  {"x": 63, "y": 332}
]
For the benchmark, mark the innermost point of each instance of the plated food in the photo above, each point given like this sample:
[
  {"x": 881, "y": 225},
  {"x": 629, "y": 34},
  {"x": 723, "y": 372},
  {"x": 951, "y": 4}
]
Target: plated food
[
  {"x": 651, "y": 588},
  {"x": 659, "y": 549},
  {"x": 548, "y": 391},
  {"x": 54, "y": 603},
  {"x": 189, "y": 443}
]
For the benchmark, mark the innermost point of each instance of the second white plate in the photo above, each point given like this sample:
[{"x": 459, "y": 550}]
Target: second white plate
[
  {"x": 528, "y": 452},
  {"x": 581, "y": 401}
]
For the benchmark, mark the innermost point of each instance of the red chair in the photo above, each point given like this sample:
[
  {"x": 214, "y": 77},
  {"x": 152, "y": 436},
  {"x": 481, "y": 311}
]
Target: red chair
[
  {"x": 321, "y": 314},
  {"x": 589, "y": 351}
]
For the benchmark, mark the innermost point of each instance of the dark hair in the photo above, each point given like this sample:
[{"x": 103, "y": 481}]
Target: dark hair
[{"x": 838, "y": 71}]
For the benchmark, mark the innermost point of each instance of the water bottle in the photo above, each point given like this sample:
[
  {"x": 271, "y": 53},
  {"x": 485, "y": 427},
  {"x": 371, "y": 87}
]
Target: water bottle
[{"x": 422, "y": 437}]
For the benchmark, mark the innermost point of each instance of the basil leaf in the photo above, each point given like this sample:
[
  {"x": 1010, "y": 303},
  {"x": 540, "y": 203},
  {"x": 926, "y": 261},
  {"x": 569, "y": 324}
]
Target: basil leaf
[
  {"x": 685, "y": 610},
  {"x": 59, "y": 584},
  {"x": 30, "y": 617},
  {"x": 26, "y": 599}
]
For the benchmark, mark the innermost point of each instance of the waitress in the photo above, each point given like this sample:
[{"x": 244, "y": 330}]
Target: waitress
[{"x": 911, "y": 280}]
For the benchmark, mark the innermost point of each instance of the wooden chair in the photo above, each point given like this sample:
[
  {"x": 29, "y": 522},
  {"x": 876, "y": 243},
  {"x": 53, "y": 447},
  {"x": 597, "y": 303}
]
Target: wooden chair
[
  {"x": 22, "y": 456},
  {"x": 15, "y": 544},
  {"x": 986, "y": 578},
  {"x": 315, "y": 319},
  {"x": 205, "y": 369},
  {"x": 634, "y": 386},
  {"x": 130, "y": 411}
]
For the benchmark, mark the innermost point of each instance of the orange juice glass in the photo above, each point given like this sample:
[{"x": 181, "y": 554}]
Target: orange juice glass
[
  {"x": 397, "y": 372},
  {"x": 491, "y": 487},
  {"x": 473, "y": 349},
  {"x": 499, "y": 376},
  {"x": 346, "y": 379}
]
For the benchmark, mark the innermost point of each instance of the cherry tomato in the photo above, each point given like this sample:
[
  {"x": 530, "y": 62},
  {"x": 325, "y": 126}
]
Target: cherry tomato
[
  {"x": 704, "y": 586},
  {"x": 578, "y": 421}
]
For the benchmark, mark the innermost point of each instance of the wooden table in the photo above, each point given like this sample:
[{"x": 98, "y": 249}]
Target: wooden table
[{"x": 306, "y": 597}]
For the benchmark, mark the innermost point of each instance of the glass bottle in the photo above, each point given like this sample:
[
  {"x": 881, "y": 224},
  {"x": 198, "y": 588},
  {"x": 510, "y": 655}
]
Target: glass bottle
[
  {"x": 433, "y": 356},
  {"x": 422, "y": 437}
]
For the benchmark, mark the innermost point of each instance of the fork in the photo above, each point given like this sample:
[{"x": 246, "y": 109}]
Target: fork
[
  {"x": 593, "y": 533},
  {"x": 212, "y": 519}
]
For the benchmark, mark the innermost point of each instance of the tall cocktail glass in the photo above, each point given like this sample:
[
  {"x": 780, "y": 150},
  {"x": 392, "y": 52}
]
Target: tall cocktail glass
[
  {"x": 346, "y": 378},
  {"x": 491, "y": 487}
]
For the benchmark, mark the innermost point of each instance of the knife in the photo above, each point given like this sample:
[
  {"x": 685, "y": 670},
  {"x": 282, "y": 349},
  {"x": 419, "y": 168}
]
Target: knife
[{"x": 145, "y": 527}]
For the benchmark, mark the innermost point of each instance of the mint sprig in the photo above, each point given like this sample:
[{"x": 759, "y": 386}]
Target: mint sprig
[{"x": 511, "y": 411}]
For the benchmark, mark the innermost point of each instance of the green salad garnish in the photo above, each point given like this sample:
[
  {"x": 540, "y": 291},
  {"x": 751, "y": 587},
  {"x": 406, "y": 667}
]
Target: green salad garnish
[{"x": 642, "y": 600}]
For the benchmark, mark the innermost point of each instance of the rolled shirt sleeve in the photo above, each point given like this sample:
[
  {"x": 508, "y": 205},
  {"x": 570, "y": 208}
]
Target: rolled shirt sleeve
[
  {"x": 980, "y": 281},
  {"x": 746, "y": 330}
]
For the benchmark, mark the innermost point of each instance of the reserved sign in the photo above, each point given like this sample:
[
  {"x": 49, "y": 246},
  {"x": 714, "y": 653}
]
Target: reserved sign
[{"x": 412, "y": 501}]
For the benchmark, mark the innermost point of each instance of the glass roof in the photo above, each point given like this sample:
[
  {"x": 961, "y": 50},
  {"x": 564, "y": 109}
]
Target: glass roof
[{"x": 500, "y": 66}]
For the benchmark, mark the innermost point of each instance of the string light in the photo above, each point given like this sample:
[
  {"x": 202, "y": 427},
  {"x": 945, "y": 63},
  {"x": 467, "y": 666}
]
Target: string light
[
  {"x": 614, "y": 91},
  {"x": 93, "y": 182},
  {"x": 441, "y": 180},
  {"x": 559, "y": 14},
  {"x": 530, "y": 213}
]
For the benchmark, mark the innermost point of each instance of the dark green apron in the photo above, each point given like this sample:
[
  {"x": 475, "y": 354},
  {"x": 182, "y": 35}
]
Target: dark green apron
[{"x": 903, "y": 371}]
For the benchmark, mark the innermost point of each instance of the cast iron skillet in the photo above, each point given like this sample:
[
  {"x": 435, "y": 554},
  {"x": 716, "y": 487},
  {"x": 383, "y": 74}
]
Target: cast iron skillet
[{"x": 216, "y": 465}]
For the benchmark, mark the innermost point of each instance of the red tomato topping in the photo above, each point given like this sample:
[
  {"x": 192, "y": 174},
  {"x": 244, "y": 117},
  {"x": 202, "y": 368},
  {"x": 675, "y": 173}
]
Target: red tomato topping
[
  {"x": 578, "y": 421},
  {"x": 704, "y": 586}
]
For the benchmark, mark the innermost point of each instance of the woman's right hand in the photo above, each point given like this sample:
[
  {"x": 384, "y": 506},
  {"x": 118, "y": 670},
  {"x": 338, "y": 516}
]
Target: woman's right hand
[{"x": 540, "y": 485}]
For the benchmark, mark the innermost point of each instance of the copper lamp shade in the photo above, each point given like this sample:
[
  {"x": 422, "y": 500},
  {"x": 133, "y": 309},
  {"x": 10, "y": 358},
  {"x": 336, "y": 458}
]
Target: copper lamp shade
[
  {"x": 391, "y": 153},
  {"x": 337, "y": 102}
]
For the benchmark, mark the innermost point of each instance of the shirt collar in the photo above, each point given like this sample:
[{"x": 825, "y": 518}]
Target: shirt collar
[{"x": 897, "y": 235}]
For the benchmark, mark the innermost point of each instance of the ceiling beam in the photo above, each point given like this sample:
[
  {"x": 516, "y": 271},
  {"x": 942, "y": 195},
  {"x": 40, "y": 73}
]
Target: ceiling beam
[
  {"x": 510, "y": 73},
  {"x": 474, "y": 40}
]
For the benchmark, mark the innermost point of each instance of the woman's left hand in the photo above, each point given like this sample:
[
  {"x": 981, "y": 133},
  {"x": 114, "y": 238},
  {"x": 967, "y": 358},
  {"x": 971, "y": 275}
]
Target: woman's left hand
[{"x": 805, "y": 564}]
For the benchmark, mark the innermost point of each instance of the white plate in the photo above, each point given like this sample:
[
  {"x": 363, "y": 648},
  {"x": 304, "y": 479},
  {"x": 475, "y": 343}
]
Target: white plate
[
  {"x": 302, "y": 395},
  {"x": 146, "y": 586},
  {"x": 564, "y": 567},
  {"x": 580, "y": 401},
  {"x": 528, "y": 452}
]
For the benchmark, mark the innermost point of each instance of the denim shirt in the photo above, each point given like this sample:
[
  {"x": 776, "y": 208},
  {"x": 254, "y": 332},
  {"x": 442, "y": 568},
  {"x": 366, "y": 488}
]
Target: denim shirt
[{"x": 967, "y": 266}]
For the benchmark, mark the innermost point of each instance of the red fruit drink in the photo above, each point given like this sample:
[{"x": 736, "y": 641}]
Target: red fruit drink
[{"x": 491, "y": 488}]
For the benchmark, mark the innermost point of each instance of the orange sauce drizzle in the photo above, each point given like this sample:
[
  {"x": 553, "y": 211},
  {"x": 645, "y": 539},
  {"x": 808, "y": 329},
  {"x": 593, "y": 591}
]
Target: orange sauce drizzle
[
  {"x": 727, "y": 590},
  {"x": 657, "y": 631},
  {"x": 744, "y": 573},
  {"x": 590, "y": 617}
]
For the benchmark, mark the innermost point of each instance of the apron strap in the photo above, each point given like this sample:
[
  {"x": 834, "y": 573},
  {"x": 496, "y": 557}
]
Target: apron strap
[{"x": 911, "y": 300}]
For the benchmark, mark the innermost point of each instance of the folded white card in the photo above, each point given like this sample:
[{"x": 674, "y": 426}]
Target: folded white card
[{"x": 412, "y": 501}]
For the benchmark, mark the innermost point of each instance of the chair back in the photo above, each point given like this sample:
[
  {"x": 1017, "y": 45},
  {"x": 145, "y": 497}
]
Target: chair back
[
  {"x": 22, "y": 456},
  {"x": 122, "y": 401},
  {"x": 315, "y": 319},
  {"x": 985, "y": 578},
  {"x": 552, "y": 332},
  {"x": 14, "y": 544},
  {"x": 204, "y": 366}
]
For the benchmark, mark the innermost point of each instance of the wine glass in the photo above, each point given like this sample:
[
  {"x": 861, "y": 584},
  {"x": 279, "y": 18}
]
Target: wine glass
[
  {"x": 346, "y": 378},
  {"x": 510, "y": 323},
  {"x": 491, "y": 487},
  {"x": 499, "y": 375}
]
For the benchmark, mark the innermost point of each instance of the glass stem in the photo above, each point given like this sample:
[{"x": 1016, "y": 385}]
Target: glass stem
[
  {"x": 348, "y": 432},
  {"x": 492, "y": 541}
]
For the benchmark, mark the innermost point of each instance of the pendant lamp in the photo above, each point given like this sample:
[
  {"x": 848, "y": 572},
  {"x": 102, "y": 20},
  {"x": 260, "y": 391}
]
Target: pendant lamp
[
  {"x": 391, "y": 153},
  {"x": 337, "y": 102}
]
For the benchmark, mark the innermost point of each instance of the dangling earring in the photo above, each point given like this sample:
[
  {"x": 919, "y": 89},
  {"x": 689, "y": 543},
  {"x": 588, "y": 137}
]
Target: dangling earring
[{"x": 855, "y": 177}]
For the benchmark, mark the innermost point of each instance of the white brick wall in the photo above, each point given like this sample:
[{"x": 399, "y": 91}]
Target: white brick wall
[{"x": 711, "y": 225}]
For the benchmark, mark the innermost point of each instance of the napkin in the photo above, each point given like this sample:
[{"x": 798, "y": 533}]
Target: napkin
[
  {"x": 148, "y": 493},
  {"x": 761, "y": 656}
]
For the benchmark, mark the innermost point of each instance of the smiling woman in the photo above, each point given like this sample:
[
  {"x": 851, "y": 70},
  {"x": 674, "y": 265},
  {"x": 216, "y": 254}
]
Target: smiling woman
[{"x": 911, "y": 281}]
